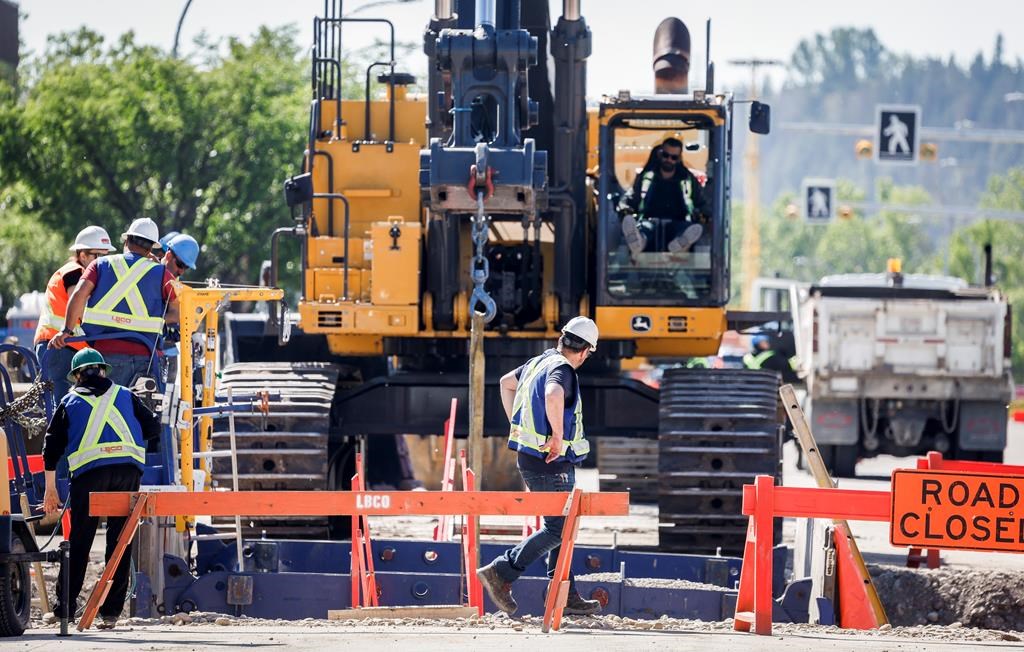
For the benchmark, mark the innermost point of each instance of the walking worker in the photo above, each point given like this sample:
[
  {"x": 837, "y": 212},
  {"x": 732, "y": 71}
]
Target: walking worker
[
  {"x": 102, "y": 427},
  {"x": 181, "y": 252},
  {"x": 543, "y": 404},
  {"x": 90, "y": 243},
  {"x": 126, "y": 293},
  {"x": 763, "y": 356}
]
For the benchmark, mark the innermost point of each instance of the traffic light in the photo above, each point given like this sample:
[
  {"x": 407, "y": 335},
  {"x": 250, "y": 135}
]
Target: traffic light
[
  {"x": 929, "y": 152},
  {"x": 863, "y": 149}
]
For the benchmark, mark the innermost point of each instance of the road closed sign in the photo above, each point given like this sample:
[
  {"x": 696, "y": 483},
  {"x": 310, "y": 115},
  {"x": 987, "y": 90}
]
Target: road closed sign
[{"x": 935, "y": 509}]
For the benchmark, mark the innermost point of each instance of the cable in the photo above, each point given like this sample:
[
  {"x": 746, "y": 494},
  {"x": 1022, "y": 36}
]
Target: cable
[{"x": 60, "y": 519}]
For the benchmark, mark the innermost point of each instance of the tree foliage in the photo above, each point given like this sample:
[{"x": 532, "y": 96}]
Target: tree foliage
[{"x": 105, "y": 134}]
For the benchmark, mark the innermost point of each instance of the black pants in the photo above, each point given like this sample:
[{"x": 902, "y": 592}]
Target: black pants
[{"x": 116, "y": 477}]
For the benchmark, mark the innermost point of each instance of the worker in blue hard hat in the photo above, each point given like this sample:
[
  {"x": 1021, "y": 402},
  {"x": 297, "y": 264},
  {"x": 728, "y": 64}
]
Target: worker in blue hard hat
[
  {"x": 103, "y": 428},
  {"x": 180, "y": 253},
  {"x": 160, "y": 248},
  {"x": 764, "y": 356}
]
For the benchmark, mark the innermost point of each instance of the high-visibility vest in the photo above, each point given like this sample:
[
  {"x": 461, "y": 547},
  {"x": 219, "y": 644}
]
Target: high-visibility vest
[
  {"x": 103, "y": 430},
  {"x": 698, "y": 363},
  {"x": 128, "y": 297},
  {"x": 685, "y": 186},
  {"x": 751, "y": 361},
  {"x": 530, "y": 427},
  {"x": 51, "y": 318}
]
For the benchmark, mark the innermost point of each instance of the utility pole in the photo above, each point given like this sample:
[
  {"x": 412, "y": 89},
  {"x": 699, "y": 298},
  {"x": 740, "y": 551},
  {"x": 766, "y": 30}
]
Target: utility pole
[{"x": 751, "y": 246}]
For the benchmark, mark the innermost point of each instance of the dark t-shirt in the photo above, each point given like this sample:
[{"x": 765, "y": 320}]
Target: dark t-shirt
[
  {"x": 665, "y": 199},
  {"x": 565, "y": 376}
]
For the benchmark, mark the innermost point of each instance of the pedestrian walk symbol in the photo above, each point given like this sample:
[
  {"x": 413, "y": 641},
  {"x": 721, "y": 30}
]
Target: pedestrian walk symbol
[
  {"x": 819, "y": 200},
  {"x": 897, "y": 133}
]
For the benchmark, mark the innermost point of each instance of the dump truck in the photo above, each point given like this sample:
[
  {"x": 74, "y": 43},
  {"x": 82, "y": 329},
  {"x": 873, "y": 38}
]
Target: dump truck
[{"x": 902, "y": 364}]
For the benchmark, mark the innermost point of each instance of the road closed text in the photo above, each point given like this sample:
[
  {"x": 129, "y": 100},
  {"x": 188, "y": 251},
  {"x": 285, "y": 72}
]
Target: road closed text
[{"x": 957, "y": 510}]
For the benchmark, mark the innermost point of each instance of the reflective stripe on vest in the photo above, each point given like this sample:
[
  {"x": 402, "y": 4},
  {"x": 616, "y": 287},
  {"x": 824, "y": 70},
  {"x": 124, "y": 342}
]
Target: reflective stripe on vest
[
  {"x": 524, "y": 432},
  {"x": 105, "y": 414},
  {"x": 51, "y": 317},
  {"x": 684, "y": 186},
  {"x": 751, "y": 361},
  {"x": 126, "y": 288}
]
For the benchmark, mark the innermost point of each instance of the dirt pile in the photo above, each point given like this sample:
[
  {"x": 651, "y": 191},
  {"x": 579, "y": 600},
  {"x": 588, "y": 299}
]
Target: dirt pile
[{"x": 987, "y": 599}]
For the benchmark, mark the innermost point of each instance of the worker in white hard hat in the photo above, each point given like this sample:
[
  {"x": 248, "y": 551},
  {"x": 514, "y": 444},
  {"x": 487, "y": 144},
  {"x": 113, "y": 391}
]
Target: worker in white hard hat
[
  {"x": 126, "y": 293},
  {"x": 90, "y": 243},
  {"x": 544, "y": 406}
]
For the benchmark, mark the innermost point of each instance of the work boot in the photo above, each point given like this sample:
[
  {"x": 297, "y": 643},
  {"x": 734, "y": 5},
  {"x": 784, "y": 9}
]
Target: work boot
[
  {"x": 631, "y": 233},
  {"x": 576, "y": 605},
  {"x": 499, "y": 590},
  {"x": 106, "y": 622},
  {"x": 686, "y": 240}
]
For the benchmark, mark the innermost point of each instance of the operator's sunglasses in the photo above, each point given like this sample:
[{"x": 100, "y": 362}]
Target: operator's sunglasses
[{"x": 670, "y": 157}]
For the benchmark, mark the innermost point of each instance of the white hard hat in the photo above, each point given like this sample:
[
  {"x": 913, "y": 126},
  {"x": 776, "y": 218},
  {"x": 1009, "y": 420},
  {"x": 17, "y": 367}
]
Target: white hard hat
[
  {"x": 144, "y": 228},
  {"x": 583, "y": 328},
  {"x": 92, "y": 237}
]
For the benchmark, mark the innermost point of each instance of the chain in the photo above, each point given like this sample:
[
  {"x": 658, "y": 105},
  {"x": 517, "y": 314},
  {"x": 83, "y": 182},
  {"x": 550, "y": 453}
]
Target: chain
[
  {"x": 19, "y": 410},
  {"x": 481, "y": 266}
]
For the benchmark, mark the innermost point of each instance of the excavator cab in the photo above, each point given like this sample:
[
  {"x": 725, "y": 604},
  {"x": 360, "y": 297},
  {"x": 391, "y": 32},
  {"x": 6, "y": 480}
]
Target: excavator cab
[{"x": 631, "y": 134}]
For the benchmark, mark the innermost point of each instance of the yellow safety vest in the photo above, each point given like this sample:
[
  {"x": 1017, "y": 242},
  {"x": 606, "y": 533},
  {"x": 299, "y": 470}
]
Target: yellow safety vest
[
  {"x": 126, "y": 287},
  {"x": 645, "y": 184},
  {"x": 105, "y": 414},
  {"x": 529, "y": 409}
]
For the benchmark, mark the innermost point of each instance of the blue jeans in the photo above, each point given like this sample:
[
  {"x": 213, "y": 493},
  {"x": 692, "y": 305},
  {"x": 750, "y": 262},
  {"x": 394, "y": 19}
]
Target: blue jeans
[
  {"x": 545, "y": 541},
  {"x": 124, "y": 367},
  {"x": 57, "y": 363}
]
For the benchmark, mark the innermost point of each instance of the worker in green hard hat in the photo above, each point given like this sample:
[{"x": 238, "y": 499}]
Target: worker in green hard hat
[{"x": 103, "y": 428}]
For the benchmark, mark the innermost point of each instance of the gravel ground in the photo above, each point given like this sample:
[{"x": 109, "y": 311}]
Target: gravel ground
[{"x": 954, "y": 632}]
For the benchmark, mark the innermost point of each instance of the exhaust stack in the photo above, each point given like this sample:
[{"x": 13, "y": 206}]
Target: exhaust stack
[{"x": 671, "y": 57}]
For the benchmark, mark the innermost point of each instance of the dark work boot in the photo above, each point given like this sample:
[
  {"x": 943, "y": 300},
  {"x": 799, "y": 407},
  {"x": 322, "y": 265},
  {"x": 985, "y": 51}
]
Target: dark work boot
[
  {"x": 575, "y": 605},
  {"x": 499, "y": 590}
]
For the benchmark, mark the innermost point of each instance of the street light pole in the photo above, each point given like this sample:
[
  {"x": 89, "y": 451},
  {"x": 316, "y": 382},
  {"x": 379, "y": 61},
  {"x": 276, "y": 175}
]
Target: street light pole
[{"x": 177, "y": 32}]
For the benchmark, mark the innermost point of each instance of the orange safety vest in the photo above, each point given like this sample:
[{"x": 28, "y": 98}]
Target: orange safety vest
[{"x": 51, "y": 320}]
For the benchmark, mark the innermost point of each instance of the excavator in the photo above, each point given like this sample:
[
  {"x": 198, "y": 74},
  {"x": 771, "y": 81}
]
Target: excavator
[{"x": 495, "y": 195}]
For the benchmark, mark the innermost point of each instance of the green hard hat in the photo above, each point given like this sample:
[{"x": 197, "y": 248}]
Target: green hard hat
[{"x": 86, "y": 358}]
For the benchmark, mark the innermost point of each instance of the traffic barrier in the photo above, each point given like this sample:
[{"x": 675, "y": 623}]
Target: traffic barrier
[
  {"x": 365, "y": 503},
  {"x": 763, "y": 502},
  {"x": 935, "y": 462}
]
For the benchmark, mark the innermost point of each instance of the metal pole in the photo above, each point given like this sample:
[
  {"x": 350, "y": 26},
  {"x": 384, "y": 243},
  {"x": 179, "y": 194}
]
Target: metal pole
[
  {"x": 443, "y": 9},
  {"x": 65, "y": 585},
  {"x": 234, "y": 478},
  {"x": 485, "y": 12},
  {"x": 571, "y": 9},
  {"x": 177, "y": 32}
]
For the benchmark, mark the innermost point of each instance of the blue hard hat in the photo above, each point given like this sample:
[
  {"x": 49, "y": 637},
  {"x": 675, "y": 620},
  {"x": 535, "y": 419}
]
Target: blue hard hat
[
  {"x": 167, "y": 238},
  {"x": 185, "y": 248},
  {"x": 758, "y": 339}
]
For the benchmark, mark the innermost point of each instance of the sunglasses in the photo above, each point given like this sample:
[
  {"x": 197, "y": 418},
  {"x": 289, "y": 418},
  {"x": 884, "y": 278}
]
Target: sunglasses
[
  {"x": 95, "y": 254},
  {"x": 177, "y": 263},
  {"x": 670, "y": 157}
]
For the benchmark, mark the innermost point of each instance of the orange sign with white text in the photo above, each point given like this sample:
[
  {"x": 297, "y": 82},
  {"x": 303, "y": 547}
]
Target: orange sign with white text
[{"x": 956, "y": 510}]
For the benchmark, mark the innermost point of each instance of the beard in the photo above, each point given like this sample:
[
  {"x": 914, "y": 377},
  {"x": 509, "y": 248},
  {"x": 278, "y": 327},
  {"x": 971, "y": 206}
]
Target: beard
[{"x": 668, "y": 166}]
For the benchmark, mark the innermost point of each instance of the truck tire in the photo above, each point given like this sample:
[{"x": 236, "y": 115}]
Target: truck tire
[
  {"x": 841, "y": 460},
  {"x": 15, "y": 592}
]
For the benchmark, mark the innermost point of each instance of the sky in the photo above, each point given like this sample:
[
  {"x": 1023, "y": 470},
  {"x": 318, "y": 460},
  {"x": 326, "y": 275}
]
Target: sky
[{"x": 622, "y": 38}]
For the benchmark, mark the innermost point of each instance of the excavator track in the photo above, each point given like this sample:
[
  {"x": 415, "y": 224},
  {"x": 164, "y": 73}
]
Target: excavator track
[
  {"x": 284, "y": 450},
  {"x": 718, "y": 429}
]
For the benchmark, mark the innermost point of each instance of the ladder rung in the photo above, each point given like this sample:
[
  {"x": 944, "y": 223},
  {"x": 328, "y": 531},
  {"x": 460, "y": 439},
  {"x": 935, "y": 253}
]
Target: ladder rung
[
  {"x": 215, "y": 537},
  {"x": 211, "y": 454}
]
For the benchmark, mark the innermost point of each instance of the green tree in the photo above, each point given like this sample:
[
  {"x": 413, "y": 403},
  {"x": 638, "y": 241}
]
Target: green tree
[
  {"x": 106, "y": 134},
  {"x": 966, "y": 258},
  {"x": 29, "y": 252}
]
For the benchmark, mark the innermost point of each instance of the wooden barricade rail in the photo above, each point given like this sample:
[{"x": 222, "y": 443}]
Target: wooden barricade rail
[{"x": 572, "y": 505}]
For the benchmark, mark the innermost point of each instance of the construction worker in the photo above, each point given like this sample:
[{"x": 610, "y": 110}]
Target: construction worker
[
  {"x": 102, "y": 427},
  {"x": 126, "y": 293},
  {"x": 665, "y": 204},
  {"x": 181, "y": 252},
  {"x": 160, "y": 248},
  {"x": 543, "y": 404},
  {"x": 90, "y": 243},
  {"x": 764, "y": 356}
]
